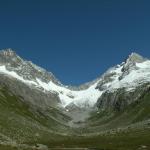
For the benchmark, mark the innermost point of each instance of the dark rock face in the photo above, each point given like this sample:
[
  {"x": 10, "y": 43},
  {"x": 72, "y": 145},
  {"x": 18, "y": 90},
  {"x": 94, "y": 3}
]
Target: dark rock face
[{"x": 119, "y": 99}]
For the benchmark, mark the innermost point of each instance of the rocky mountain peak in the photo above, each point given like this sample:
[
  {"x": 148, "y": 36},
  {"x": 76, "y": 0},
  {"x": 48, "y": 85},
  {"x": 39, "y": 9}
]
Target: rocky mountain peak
[
  {"x": 123, "y": 71},
  {"x": 8, "y": 52},
  {"x": 8, "y": 57},
  {"x": 23, "y": 68},
  {"x": 130, "y": 63},
  {"x": 135, "y": 58}
]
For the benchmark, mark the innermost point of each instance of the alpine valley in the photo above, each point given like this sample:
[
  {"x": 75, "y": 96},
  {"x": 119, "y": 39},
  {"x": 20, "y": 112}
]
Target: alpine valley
[{"x": 38, "y": 112}]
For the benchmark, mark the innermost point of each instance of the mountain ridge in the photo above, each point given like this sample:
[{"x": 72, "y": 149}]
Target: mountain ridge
[
  {"x": 9, "y": 52},
  {"x": 85, "y": 95}
]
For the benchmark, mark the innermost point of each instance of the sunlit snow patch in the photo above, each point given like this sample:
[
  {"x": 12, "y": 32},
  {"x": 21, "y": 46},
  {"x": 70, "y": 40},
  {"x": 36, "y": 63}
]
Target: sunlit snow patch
[{"x": 67, "y": 96}]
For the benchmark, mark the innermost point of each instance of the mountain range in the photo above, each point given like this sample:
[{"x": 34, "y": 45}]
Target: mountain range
[{"x": 39, "y": 112}]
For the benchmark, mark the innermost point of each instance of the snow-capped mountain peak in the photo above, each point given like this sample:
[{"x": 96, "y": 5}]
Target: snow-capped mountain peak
[
  {"x": 26, "y": 69},
  {"x": 134, "y": 57},
  {"x": 134, "y": 71}
]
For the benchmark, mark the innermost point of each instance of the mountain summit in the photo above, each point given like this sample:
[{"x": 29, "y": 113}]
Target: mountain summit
[
  {"x": 26, "y": 69},
  {"x": 134, "y": 57},
  {"x": 8, "y": 52}
]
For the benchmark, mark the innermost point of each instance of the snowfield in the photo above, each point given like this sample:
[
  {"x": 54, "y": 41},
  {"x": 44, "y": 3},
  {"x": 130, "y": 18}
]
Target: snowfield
[{"x": 67, "y": 96}]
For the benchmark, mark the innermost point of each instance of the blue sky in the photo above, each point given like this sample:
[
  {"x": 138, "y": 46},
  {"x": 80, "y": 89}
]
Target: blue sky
[{"x": 77, "y": 40}]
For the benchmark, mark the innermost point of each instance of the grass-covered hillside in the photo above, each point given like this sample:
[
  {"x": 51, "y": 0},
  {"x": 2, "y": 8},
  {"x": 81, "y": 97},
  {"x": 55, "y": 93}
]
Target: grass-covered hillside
[
  {"x": 23, "y": 126},
  {"x": 22, "y": 123}
]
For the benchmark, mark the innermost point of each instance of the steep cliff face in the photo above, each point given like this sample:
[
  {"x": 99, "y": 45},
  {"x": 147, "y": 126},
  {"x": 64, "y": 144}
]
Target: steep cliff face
[{"x": 121, "y": 98}]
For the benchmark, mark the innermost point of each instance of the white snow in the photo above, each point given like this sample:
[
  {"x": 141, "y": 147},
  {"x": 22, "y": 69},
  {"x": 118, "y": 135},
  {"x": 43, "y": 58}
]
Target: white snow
[
  {"x": 13, "y": 74},
  {"x": 144, "y": 65},
  {"x": 67, "y": 96},
  {"x": 133, "y": 79}
]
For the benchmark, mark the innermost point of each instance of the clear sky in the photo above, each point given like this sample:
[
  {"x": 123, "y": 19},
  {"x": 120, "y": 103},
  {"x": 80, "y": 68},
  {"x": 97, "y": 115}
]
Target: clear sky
[{"x": 77, "y": 40}]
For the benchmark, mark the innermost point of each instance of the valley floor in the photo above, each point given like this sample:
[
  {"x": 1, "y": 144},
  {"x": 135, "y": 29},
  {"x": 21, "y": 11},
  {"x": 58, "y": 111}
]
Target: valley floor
[{"x": 125, "y": 140}]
